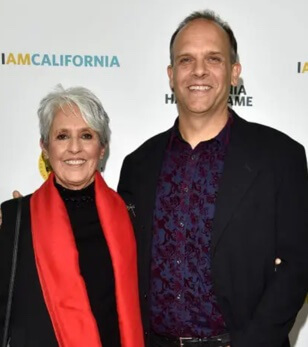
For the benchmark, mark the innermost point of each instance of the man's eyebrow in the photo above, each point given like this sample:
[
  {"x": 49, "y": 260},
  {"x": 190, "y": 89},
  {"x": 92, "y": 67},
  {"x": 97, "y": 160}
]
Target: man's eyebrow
[{"x": 215, "y": 52}]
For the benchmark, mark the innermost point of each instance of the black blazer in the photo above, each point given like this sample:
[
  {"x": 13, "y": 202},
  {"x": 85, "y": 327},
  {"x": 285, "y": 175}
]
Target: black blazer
[
  {"x": 261, "y": 213},
  {"x": 30, "y": 325}
]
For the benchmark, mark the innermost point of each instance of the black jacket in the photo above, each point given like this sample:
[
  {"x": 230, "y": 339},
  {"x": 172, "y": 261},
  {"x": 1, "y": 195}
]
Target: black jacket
[{"x": 261, "y": 213}]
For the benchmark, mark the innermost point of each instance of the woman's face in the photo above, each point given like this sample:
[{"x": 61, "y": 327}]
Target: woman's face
[{"x": 74, "y": 149}]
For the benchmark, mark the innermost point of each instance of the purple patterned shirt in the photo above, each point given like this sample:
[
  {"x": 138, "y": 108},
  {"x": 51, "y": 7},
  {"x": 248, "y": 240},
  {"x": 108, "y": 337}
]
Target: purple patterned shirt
[{"x": 182, "y": 298}]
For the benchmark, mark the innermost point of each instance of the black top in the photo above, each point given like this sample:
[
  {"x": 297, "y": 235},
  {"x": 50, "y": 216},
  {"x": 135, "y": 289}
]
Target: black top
[{"x": 94, "y": 260}]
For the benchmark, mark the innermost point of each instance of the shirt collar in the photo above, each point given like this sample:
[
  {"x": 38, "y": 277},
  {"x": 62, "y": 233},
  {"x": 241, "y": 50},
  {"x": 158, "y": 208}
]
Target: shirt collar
[{"x": 222, "y": 138}]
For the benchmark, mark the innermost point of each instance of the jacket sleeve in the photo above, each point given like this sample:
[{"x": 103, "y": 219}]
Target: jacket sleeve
[
  {"x": 124, "y": 184},
  {"x": 9, "y": 210},
  {"x": 284, "y": 295}
]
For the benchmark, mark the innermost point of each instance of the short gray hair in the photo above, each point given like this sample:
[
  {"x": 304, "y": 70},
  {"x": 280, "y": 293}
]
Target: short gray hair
[
  {"x": 89, "y": 105},
  {"x": 211, "y": 16}
]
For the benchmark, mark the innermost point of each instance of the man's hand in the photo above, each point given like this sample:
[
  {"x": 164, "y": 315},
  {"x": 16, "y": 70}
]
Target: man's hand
[{"x": 16, "y": 194}]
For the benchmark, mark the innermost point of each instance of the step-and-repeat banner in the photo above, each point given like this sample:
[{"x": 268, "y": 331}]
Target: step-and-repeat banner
[{"x": 119, "y": 50}]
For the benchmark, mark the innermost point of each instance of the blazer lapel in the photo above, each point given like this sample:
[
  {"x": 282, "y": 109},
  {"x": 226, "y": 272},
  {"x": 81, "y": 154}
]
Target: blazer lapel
[
  {"x": 240, "y": 169},
  {"x": 149, "y": 173}
]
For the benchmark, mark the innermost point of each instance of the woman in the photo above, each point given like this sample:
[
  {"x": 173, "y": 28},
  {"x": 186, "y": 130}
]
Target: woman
[{"x": 76, "y": 278}]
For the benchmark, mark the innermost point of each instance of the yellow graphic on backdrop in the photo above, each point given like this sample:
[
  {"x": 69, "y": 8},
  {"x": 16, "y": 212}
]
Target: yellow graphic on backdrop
[
  {"x": 302, "y": 67},
  {"x": 305, "y": 67}
]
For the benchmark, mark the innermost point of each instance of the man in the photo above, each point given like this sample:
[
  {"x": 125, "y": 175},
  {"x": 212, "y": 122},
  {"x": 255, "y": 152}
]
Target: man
[{"x": 214, "y": 201}]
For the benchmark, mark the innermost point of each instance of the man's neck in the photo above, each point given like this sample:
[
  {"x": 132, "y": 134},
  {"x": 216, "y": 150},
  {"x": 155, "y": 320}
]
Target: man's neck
[{"x": 195, "y": 129}]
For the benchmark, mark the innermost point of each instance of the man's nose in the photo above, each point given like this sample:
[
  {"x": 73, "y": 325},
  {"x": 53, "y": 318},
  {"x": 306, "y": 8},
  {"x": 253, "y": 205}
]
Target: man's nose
[{"x": 200, "y": 68}]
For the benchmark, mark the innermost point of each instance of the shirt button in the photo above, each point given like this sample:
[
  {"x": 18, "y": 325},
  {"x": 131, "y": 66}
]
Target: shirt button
[
  {"x": 178, "y": 261},
  {"x": 181, "y": 224},
  {"x": 185, "y": 189},
  {"x": 178, "y": 297},
  {"x": 193, "y": 157},
  {"x": 145, "y": 296}
]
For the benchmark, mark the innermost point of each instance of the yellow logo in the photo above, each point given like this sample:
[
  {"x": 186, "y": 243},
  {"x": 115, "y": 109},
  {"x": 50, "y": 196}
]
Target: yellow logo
[
  {"x": 44, "y": 167},
  {"x": 302, "y": 67}
]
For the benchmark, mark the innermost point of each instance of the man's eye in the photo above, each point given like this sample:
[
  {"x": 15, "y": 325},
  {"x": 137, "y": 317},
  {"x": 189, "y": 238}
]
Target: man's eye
[
  {"x": 185, "y": 60},
  {"x": 214, "y": 59},
  {"x": 87, "y": 136},
  {"x": 61, "y": 137}
]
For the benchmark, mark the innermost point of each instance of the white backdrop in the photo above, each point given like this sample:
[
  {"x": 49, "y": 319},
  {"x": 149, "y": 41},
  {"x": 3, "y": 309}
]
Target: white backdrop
[{"x": 134, "y": 35}]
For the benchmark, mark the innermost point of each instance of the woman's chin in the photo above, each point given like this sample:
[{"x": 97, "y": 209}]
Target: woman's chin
[{"x": 75, "y": 182}]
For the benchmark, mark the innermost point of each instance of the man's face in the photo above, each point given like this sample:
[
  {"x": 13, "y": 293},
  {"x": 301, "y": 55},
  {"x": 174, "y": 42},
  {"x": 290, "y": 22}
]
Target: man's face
[{"x": 202, "y": 72}]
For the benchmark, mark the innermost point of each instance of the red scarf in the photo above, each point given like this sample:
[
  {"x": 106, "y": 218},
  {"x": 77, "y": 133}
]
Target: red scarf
[{"x": 57, "y": 264}]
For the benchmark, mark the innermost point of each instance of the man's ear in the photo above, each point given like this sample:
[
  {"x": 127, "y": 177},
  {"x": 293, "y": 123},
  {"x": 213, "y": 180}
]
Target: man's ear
[
  {"x": 235, "y": 73},
  {"x": 170, "y": 75}
]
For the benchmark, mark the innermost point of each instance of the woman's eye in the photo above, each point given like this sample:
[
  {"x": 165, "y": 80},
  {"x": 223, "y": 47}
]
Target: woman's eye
[
  {"x": 87, "y": 136},
  {"x": 61, "y": 137}
]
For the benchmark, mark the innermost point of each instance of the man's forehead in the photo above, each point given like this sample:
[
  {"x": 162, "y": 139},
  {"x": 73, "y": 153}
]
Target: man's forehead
[
  {"x": 200, "y": 24},
  {"x": 202, "y": 28}
]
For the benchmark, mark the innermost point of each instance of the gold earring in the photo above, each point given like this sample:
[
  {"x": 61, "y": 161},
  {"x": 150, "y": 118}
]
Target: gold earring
[{"x": 46, "y": 161}]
